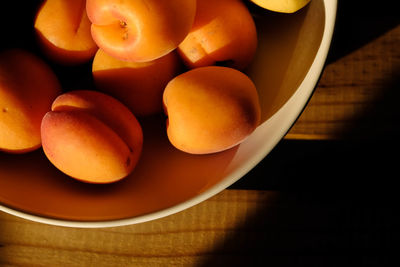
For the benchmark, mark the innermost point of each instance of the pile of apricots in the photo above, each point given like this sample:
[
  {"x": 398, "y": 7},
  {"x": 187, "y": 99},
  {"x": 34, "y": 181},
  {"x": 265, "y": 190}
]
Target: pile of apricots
[{"x": 183, "y": 58}]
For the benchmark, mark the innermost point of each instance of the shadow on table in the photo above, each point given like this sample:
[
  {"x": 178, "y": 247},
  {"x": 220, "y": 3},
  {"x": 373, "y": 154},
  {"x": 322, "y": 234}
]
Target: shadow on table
[
  {"x": 339, "y": 204},
  {"x": 316, "y": 229},
  {"x": 338, "y": 207},
  {"x": 358, "y": 23}
]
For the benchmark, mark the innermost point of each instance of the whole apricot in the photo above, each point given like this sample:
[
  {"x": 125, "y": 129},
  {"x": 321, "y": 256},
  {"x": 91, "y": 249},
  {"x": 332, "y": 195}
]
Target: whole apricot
[
  {"x": 139, "y": 85},
  {"x": 27, "y": 89},
  {"x": 63, "y": 31},
  {"x": 223, "y": 33},
  {"x": 91, "y": 137},
  {"x": 140, "y": 30},
  {"x": 210, "y": 109}
]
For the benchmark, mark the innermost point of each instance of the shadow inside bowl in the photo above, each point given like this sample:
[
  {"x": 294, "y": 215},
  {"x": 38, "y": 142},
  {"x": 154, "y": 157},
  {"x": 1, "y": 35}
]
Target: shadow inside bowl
[{"x": 287, "y": 47}]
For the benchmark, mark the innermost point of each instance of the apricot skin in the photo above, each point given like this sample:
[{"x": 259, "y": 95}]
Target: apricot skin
[
  {"x": 91, "y": 137},
  {"x": 210, "y": 109},
  {"x": 27, "y": 88},
  {"x": 223, "y": 33},
  {"x": 139, "y": 85},
  {"x": 140, "y": 30},
  {"x": 63, "y": 31}
]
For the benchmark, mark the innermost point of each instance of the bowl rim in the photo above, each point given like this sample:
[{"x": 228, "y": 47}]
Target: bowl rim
[{"x": 301, "y": 97}]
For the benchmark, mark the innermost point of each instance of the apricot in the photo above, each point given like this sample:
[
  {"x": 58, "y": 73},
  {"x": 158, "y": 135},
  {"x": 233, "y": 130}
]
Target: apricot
[
  {"x": 27, "y": 88},
  {"x": 223, "y": 33},
  {"x": 210, "y": 109},
  {"x": 63, "y": 31},
  {"x": 140, "y": 30},
  {"x": 139, "y": 85},
  {"x": 91, "y": 137}
]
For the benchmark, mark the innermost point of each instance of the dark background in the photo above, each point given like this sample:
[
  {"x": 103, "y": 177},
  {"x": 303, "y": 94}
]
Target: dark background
[{"x": 340, "y": 203}]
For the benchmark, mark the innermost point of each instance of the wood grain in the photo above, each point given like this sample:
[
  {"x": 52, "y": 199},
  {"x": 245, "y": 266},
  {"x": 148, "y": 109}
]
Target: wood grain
[
  {"x": 350, "y": 88},
  {"x": 182, "y": 239},
  {"x": 234, "y": 228}
]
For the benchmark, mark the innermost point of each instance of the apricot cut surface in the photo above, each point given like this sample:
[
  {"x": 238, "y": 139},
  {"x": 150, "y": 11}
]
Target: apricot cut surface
[
  {"x": 139, "y": 85},
  {"x": 210, "y": 109},
  {"x": 140, "y": 30},
  {"x": 92, "y": 137},
  {"x": 63, "y": 31},
  {"x": 27, "y": 89},
  {"x": 223, "y": 33}
]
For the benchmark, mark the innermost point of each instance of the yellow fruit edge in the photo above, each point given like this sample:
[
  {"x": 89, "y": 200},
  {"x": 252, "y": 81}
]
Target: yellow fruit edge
[{"x": 282, "y": 6}]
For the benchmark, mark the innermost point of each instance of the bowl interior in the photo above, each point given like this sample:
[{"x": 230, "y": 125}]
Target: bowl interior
[{"x": 165, "y": 177}]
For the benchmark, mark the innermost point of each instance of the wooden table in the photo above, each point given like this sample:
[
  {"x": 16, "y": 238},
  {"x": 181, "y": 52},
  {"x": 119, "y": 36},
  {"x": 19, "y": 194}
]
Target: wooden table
[{"x": 323, "y": 197}]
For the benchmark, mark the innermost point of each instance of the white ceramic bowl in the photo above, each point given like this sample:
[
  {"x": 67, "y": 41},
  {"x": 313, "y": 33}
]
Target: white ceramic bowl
[{"x": 290, "y": 58}]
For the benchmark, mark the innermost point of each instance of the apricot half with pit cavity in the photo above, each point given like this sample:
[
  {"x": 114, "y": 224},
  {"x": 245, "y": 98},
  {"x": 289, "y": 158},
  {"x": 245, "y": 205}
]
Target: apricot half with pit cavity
[{"x": 140, "y": 30}]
